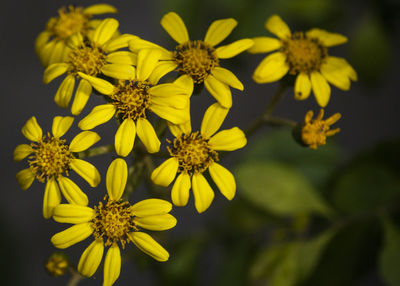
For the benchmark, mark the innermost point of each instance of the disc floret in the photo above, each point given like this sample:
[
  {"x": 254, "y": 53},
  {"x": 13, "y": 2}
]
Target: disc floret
[
  {"x": 68, "y": 22},
  {"x": 88, "y": 59}
]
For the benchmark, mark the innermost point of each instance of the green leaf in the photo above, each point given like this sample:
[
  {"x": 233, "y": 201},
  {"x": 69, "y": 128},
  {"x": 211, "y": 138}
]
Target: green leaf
[
  {"x": 390, "y": 254},
  {"x": 279, "y": 189}
]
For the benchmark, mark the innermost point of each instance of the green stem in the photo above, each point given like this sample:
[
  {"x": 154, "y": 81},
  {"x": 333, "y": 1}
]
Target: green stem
[
  {"x": 96, "y": 151},
  {"x": 75, "y": 278}
]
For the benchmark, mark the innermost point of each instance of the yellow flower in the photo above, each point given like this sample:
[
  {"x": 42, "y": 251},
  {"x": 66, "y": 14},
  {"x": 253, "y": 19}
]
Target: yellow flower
[
  {"x": 112, "y": 222},
  {"x": 192, "y": 153},
  {"x": 315, "y": 131},
  {"x": 51, "y": 44},
  {"x": 199, "y": 60},
  {"x": 304, "y": 54},
  {"x": 132, "y": 99},
  {"x": 51, "y": 158},
  {"x": 93, "y": 56}
]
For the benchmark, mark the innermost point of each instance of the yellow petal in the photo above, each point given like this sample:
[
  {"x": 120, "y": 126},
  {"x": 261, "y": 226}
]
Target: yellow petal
[
  {"x": 147, "y": 60},
  {"x": 321, "y": 88},
  {"x": 178, "y": 129},
  {"x": 326, "y": 38},
  {"x": 98, "y": 9},
  {"x": 166, "y": 90},
  {"x": 203, "y": 194},
  {"x": 45, "y": 52},
  {"x": 147, "y": 135},
  {"x": 180, "y": 190},
  {"x": 71, "y": 192},
  {"x": 276, "y": 26},
  {"x": 53, "y": 71},
  {"x": 61, "y": 125},
  {"x": 83, "y": 141},
  {"x": 91, "y": 258},
  {"x": 122, "y": 57},
  {"x": 99, "y": 115},
  {"x": 175, "y": 27},
  {"x": 51, "y": 199},
  {"x": 112, "y": 265},
  {"x": 82, "y": 95},
  {"x": 67, "y": 213},
  {"x": 118, "y": 42},
  {"x": 227, "y": 77},
  {"x": 219, "y": 91},
  {"x": 151, "y": 207},
  {"x": 41, "y": 40},
  {"x": 228, "y": 140},
  {"x": 117, "y": 175},
  {"x": 119, "y": 71},
  {"x": 149, "y": 246},
  {"x": 223, "y": 179},
  {"x": 219, "y": 30},
  {"x": 87, "y": 171},
  {"x": 99, "y": 84},
  {"x": 136, "y": 44},
  {"x": 105, "y": 31},
  {"x": 233, "y": 49},
  {"x": 213, "y": 119},
  {"x": 64, "y": 92},
  {"x": 25, "y": 178},
  {"x": 302, "y": 86},
  {"x": 168, "y": 98},
  {"x": 56, "y": 53},
  {"x": 72, "y": 235},
  {"x": 164, "y": 174},
  {"x": 185, "y": 82},
  {"x": 161, "y": 69},
  {"x": 75, "y": 41},
  {"x": 264, "y": 45},
  {"x": 22, "y": 151},
  {"x": 31, "y": 130},
  {"x": 156, "y": 222},
  {"x": 336, "y": 72},
  {"x": 174, "y": 115},
  {"x": 271, "y": 68},
  {"x": 125, "y": 137}
]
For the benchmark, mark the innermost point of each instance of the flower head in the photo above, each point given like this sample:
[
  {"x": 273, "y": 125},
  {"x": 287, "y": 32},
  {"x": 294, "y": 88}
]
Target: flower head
[
  {"x": 113, "y": 223},
  {"x": 193, "y": 153},
  {"x": 51, "y": 44},
  {"x": 57, "y": 264},
  {"x": 305, "y": 55},
  {"x": 315, "y": 131},
  {"x": 91, "y": 56},
  {"x": 199, "y": 60},
  {"x": 133, "y": 99},
  {"x": 50, "y": 160}
]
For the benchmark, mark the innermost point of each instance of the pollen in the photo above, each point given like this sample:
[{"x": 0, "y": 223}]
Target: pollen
[
  {"x": 87, "y": 59},
  {"x": 131, "y": 99},
  {"x": 315, "y": 131},
  {"x": 193, "y": 152},
  {"x": 113, "y": 221},
  {"x": 196, "y": 59},
  {"x": 68, "y": 22},
  {"x": 51, "y": 158},
  {"x": 303, "y": 54}
]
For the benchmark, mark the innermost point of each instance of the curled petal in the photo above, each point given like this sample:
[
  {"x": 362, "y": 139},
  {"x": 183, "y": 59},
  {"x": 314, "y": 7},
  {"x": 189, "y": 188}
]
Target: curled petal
[
  {"x": 98, "y": 9},
  {"x": 117, "y": 175},
  {"x": 64, "y": 93},
  {"x": 61, "y": 125},
  {"x": 220, "y": 91},
  {"x": 227, "y": 77},
  {"x": 72, "y": 235},
  {"x": 326, "y": 38}
]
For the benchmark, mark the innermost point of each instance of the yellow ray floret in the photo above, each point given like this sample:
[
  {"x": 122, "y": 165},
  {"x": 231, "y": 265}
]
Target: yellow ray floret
[
  {"x": 113, "y": 223},
  {"x": 304, "y": 55},
  {"x": 50, "y": 160}
]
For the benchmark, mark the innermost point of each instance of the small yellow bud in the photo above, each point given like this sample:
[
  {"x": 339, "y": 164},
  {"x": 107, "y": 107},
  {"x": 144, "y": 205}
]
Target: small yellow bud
[{"x": 57, "y": 264}]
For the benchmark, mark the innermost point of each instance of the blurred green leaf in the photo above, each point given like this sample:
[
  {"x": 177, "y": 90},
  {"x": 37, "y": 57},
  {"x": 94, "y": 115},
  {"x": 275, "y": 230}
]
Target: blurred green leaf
[
  {"x": 279, "y": 189},
  {"x": 390, "y": 254}
]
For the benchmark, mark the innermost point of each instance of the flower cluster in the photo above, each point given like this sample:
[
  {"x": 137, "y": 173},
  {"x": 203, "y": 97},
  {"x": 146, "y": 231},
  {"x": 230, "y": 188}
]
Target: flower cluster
[{"x": 130, "y": 74}]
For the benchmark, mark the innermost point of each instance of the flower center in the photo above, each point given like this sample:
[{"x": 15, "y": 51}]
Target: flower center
[
  {"x": 193, "y": 152},
  {"x": 132, "y": 99},
  {"x": 113, "y": 221},
  {"x": 87, "y": 59},
  {"x": 303, "y": 54},
  {"x": 197, "y": 59},
  {"x": 68, "y": 22},
  {"x": 51, "y": 157}
]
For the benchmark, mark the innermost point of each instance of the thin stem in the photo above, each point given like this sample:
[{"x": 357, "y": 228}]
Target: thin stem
[
  {"x": 96, "y": 151},
  {"x": 75, "y": 278}
]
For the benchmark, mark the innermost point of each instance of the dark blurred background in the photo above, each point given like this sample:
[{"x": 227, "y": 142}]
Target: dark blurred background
[{"x": 249, "y": 241}]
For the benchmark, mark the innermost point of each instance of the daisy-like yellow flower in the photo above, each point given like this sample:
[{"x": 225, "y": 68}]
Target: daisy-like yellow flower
[
  {"x": 94, "y": 56},
  {"x": 50, "y": 160},
  {"x": 51, "y": 44},
  {"x": 315, "y": 131},
  {"x": 304, "y": 54},
  {"x": 131, "y": 101},
  {"x": 199, "y": 60},
  {"x": 113, "y": 222},
  {"x": 193, "y": 153}
]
